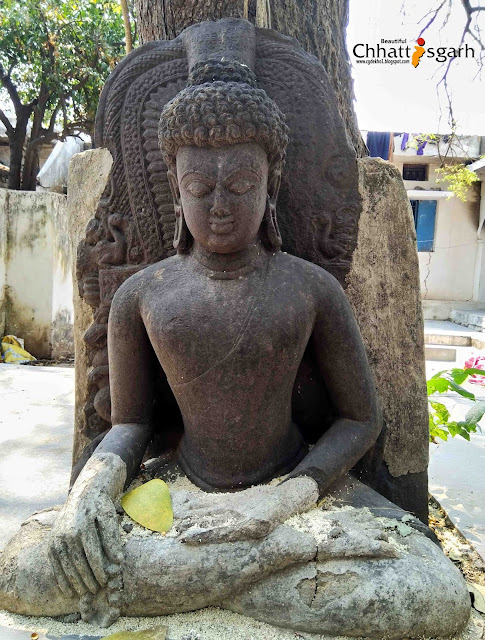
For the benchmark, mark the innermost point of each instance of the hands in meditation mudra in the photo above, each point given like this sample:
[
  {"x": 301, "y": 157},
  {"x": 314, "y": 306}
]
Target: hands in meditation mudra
[{"x": 228, "y": 318}]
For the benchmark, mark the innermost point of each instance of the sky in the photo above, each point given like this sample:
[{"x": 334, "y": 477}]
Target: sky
[{"x": 399, "y": 97}]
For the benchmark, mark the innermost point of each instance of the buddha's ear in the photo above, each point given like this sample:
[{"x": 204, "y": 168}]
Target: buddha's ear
[
  {"x": 271, "y": 236},
  {"x": 174, "y": 187},
  {"x": 274, "y": 188},
  {"x": 182, "y": 240}
]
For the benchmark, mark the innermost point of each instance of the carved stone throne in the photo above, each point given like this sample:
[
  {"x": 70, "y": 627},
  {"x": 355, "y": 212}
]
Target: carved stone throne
[{"x": 319, "y": 215}]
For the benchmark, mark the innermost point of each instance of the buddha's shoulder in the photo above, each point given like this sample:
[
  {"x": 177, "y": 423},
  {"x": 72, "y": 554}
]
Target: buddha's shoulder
[
  {"x": 153, "y": 278},
  {"x": 306, "y": 274}
]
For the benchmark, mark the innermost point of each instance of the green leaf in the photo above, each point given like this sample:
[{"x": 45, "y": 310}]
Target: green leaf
[
  {"x": 475, "y": 414},
  {"x": 472, "y": 372},
  {"x": 150, "y": 505},
  {"x": 459, "y": 375},
  {"x": 453, "y": 428},
  {"x": 438, "y": 433},
  {"x": 441, "y": 411},
  {"x": 463, "y": 392},
  {"x": 438, "y": 385}
]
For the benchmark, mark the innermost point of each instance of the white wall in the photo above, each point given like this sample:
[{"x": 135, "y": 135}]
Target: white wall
[
  {"x": 36, "y": 296},
  {"x": 450, "y": 271}
]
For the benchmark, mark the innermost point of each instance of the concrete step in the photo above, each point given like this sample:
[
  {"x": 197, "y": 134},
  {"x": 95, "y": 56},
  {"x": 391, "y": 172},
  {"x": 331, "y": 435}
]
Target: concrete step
[
  {"x": 453, "y": 340},
  {"x": 441, "y": 353},
  {"x": 474, "y": 319},
  {"x": 446, "y": 333}
]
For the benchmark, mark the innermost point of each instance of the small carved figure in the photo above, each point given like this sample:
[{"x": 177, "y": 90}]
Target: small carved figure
[{"x": 228, "y": 319}]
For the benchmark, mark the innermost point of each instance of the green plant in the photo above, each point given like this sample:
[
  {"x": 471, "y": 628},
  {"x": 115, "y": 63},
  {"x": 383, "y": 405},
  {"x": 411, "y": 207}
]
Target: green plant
[
  {"x": 457, "y": 178},
  {"x": 54, "y": 58},
  {"x": 440, "y": 425}
]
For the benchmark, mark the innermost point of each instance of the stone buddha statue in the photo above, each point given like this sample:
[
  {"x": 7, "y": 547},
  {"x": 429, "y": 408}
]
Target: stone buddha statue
[{"x": 228, "y": 320}]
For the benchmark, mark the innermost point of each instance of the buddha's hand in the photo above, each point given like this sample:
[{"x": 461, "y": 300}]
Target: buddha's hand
[
  {"x": 245, "y": 515},
  {"x": 85, "y": 545}
]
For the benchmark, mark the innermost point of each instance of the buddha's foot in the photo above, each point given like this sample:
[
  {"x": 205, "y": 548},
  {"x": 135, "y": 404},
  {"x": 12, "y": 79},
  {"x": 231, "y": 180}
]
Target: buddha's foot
[{"x": 419, "y": 593}]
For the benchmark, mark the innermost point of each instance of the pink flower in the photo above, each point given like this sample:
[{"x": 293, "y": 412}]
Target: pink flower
[{"x": 476, "y": 362}]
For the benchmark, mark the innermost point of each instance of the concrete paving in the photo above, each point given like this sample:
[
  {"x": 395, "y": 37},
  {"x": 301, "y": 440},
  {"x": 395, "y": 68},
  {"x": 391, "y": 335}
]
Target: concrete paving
[
  {"x": 457, "y": 477},
  {"x": 36, "y": 426},
  {"x": 457, "y": 467}
]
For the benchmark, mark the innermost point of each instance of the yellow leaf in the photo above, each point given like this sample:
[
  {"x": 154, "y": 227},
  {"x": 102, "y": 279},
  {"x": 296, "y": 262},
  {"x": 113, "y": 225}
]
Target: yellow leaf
[
  {"x": 150, "y": 505},
  {"x": 158, "y": 633}
]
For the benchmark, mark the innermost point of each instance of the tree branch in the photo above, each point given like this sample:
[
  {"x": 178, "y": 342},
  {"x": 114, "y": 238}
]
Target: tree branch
[
  {"x": 52, "y": 121},
  {"x": 434, "y": 14},
  {"x": 6, "y": 122},
  {"x": 11, "y": 88}
]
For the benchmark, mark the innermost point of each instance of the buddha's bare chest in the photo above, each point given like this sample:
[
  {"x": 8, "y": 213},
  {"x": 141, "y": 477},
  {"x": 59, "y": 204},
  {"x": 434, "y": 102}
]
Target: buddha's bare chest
[{"x": 206, "y": 322}]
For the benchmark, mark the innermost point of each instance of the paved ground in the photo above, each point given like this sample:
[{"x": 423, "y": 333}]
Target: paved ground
[
  {"x": 36, "y": 422},
  {"x": 457, "y": 467},
  {"x": 457, "y": 477}
]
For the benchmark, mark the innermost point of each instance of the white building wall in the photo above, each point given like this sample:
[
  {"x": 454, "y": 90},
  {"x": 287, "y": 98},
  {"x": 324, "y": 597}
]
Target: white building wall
[
  {"x": 36, "y": 291},
  {"x": 450, "y": 271}
]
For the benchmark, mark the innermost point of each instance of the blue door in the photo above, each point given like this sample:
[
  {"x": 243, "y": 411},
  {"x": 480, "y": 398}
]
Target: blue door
[{"x": 424, "y": 219}]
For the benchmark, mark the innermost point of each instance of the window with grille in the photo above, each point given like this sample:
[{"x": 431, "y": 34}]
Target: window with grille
[{"x": 415, "y": 172}]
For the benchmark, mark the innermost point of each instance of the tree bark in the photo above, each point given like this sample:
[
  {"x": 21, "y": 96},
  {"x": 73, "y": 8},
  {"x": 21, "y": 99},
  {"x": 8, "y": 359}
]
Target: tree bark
[
  {"x": 31, "y": 158},
  {"x": 16, "y": 142},
  {"x": 319, "y": 26}
]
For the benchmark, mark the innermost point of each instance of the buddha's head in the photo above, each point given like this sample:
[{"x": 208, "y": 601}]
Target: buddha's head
[{"x": 224, "y": 144}]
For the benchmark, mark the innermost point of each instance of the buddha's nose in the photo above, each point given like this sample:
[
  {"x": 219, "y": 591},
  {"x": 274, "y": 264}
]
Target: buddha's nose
[{"x": 217, "y": 211}]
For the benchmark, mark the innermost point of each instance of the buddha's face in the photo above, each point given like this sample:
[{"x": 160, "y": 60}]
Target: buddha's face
[{"x": 223, "y": 194}]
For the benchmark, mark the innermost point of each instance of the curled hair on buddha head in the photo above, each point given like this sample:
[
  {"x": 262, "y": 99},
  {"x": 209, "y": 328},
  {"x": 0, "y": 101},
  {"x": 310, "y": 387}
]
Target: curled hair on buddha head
[{"x": 221, "y": 106}]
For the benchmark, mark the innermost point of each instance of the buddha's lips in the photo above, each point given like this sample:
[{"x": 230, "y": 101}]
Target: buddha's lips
[{"x": 221, "y": 225}]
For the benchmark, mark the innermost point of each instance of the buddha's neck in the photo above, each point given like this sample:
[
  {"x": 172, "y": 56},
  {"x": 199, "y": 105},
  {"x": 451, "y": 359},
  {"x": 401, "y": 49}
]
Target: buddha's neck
[{"x": 228, "y": 266}]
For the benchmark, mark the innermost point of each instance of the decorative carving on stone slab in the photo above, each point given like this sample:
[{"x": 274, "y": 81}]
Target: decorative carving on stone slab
[{"x": 318, "y": 204}]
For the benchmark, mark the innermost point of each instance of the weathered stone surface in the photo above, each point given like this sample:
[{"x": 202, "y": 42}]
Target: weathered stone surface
[
  {"x": 405, "y": 587},
  {"x": 419, "y": 594},
  {"x": 383, "y": 289},
  {"x": 88, "y": 175}
]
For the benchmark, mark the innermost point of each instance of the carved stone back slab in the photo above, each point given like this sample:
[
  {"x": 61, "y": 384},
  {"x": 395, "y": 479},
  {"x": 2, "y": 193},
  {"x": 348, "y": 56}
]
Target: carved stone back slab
[
  {"x": 319, "y": 204},
  {"x": 318, "y": 207}
]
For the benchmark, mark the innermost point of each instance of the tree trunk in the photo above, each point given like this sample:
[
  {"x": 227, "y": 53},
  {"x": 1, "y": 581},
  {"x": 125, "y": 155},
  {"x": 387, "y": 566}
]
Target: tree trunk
[
  {"x": 31, "y": 159},
  {"x": 16, "y": 143},
  {"x": 31, "y": 169},
  {"x": 319, "y": 26}
]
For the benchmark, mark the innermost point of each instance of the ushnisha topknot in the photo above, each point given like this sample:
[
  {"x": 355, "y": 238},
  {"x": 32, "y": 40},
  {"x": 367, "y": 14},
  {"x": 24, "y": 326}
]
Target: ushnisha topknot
[
  {"x": 222, "y": 70},
  {"x": 228, "y": 109}
]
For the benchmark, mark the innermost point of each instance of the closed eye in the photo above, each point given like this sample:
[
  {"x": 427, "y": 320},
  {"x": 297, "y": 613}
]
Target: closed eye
[
  {"x": 241, "y": 186},
  {"x": 198, "y": 189}
]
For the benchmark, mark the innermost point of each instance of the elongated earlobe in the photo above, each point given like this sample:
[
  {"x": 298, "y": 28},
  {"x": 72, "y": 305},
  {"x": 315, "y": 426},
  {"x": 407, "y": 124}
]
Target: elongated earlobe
[
  {"x": 270, "y": 236},
  {"x": 182, "y": 240}
]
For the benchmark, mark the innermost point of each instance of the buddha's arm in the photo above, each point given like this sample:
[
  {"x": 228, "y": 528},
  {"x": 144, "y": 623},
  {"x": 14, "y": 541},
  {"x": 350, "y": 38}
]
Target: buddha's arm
[
  {"x": 132, "y": 371},
  {"x": 342, "y": 360},
  {"x": 85, "y": 539}
]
